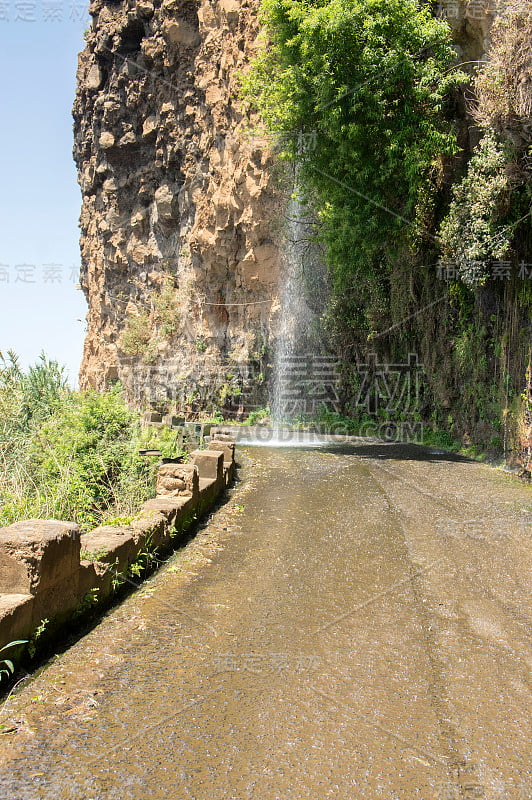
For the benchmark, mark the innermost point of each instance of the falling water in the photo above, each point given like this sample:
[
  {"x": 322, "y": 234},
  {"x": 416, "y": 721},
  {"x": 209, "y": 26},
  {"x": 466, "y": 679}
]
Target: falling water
[{"x": 303, "y": 290}]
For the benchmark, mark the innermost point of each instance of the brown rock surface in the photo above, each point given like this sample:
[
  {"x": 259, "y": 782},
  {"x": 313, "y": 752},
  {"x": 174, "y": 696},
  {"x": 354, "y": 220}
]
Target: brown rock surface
[
  {"x": 177, "y": 480},
  {"x": 180, "y": 255},
  {"x": 210, "y": 464},
  {"x": 37, "y": 555},
  {"x": 172, "y": 508},
  {"x": 225, "y": 447},
  {"x": 16, "y": 619}
]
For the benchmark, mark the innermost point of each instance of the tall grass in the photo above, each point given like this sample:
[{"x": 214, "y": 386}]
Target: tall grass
[
  {"x": 26, "y": 400},
  {"x": 64, "y": 454}
]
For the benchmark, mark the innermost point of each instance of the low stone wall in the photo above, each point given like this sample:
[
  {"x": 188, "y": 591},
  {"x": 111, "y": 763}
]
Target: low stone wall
[{"x": 50, "y": 571}]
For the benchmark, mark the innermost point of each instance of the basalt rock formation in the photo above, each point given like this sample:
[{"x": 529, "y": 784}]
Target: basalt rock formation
[
  {"x": 181, "y": 217},
  {"x": 187, "y": 224}
]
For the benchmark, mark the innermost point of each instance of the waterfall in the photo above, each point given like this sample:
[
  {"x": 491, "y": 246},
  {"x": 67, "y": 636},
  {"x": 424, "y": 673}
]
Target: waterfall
[{"x": 303, "y": 296}]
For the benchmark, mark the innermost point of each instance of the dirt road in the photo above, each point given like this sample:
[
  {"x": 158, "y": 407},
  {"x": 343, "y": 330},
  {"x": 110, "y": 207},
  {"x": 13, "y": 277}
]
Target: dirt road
[{"x": 354, "y": 623}]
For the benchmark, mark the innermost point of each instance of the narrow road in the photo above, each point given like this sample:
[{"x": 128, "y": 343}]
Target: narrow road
[{"x": 354, "y": 623}]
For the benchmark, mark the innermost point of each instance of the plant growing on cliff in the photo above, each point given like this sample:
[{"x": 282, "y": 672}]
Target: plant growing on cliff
[
  {"x": 358, "y": 88},
  {"x": 144, "y": 330},
  {"x": 136, "y": 336},
  {"x": 166, "y": 316},
  {"x": 503, "y": 87},
  {"x": 472, "y": 234}
]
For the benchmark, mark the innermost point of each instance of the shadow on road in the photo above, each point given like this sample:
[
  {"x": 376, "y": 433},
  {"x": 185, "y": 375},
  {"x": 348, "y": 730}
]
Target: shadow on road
[{"x": 396, "y": 452}]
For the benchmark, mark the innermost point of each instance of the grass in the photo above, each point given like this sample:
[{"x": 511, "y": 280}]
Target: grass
[{"x": 71, "y": 455}]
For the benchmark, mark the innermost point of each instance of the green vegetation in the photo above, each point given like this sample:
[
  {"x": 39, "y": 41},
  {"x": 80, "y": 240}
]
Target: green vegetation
[
  {"x": 371, "y": 110},
  {"x": 36, "y": 637},
  {"x": 258, "y": 415},
  {"x": 94, "y": 555},
  {"x": 145, "y": 560},
  {"x": 503, "y": 86},
  {"x": 471, "y": 234},
  {"x": 360, "y": 90},
  {"x": 70, "y": 455},
  {"x": 145, "y": 329},
  {"x": 166, "y": 316},
  {"x": 164, "y": 439},
  {"x": 7, "y": 668},
  {"x": 136, "y": 336},
  {"x": 89, "y": 600}
]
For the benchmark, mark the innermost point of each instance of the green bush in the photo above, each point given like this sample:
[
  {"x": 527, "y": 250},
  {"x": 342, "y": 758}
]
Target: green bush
[
  {"x": 358, "y": 88},
  {"x": 70, "y": 455},
  {"x": 472, "y": 234},
  {"x": 85, "y": 455},
  {"x": 258, "y": 415},
  {"x": 440, "y": 438},
  {"x": 166, "y": 310},
  {"x": 144, "y": 330},
  {"x": 136, "y": 336},
  {"x": 27, "y": 399}
]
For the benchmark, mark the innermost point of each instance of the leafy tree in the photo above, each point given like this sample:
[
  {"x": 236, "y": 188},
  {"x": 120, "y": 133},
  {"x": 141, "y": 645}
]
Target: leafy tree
[{"x": 359, "y": 90}]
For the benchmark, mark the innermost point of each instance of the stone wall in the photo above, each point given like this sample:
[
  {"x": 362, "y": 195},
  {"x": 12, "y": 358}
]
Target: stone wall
[{"x": 50, "y": 571}]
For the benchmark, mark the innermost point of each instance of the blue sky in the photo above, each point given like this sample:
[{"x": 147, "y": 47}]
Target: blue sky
[{"x": 40, "y": 307}]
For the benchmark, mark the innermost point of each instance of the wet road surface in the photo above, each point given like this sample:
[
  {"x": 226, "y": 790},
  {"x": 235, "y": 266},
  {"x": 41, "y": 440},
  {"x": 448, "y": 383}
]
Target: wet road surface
[{"x": 354, "y": 623}]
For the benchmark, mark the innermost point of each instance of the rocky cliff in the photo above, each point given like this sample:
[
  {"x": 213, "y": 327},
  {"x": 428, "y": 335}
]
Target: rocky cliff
[
  {"x": 181, "y": 219},
  {"x": 186, "y": 227}
]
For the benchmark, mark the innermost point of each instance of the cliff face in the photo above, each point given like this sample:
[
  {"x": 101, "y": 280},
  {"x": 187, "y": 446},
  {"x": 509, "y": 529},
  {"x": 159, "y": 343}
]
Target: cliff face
[
  {"x": 185, "y": 221},
  {"x": 180, "y": 236},
  {"x": 470, "y": 22},
  {"x": 181, "y": 225}
]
